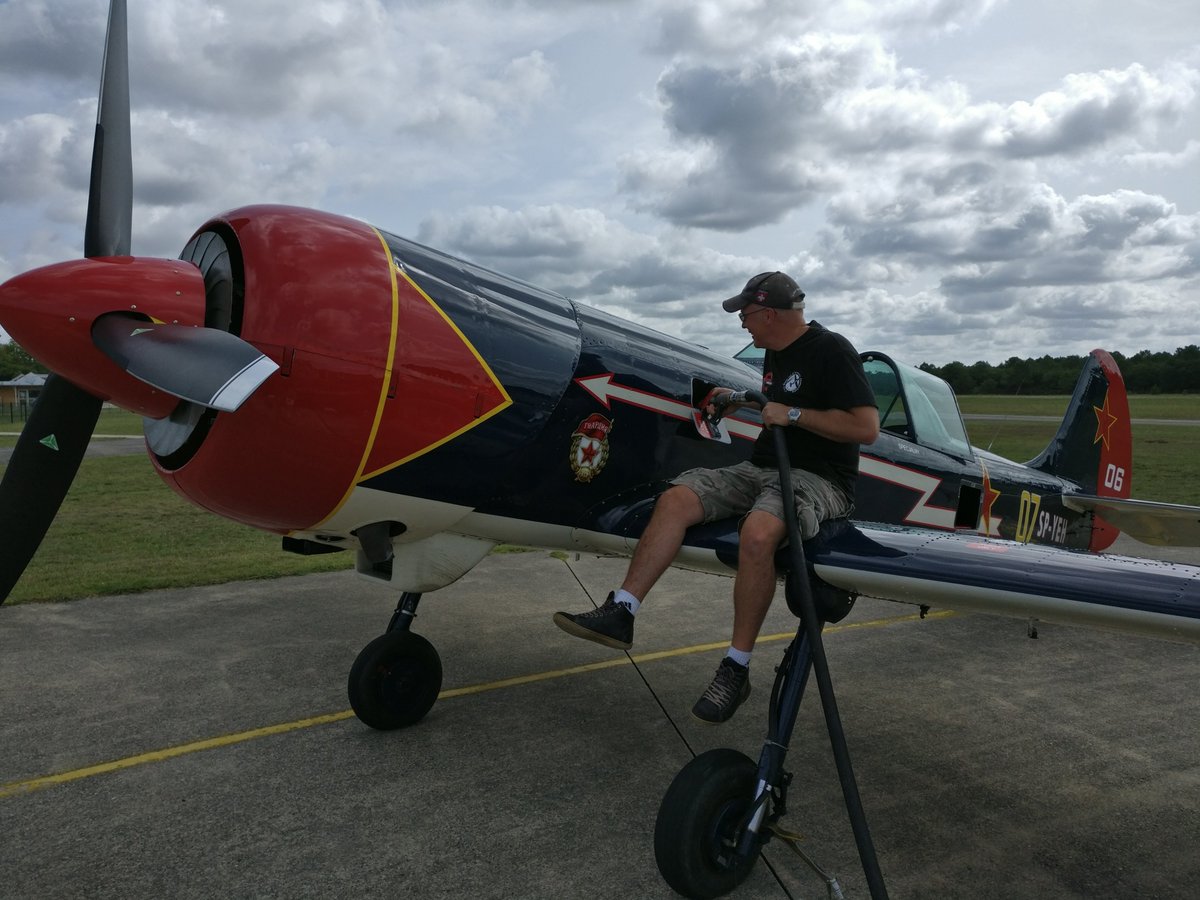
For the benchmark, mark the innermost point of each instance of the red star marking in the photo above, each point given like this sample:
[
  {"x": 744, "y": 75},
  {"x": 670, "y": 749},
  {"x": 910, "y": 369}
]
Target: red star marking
[
  {"x": 990, "y": 496},
  {"x": 1104, "y": 423},
  {"x": 588, "y": 452}
]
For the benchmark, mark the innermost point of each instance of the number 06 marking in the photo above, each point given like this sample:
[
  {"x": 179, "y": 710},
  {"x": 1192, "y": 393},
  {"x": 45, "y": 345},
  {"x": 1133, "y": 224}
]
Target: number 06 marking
[{"x": 1114, "y": 477}]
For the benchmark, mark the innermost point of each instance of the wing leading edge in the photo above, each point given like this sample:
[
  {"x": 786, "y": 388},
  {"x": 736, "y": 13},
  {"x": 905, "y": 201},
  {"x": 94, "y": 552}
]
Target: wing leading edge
[{"x": 967, "y": 572}]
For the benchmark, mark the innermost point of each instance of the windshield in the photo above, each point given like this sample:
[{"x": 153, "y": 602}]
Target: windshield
[
  {"x": 916, "y": 405},
  {"x": 751, "y": 356}
]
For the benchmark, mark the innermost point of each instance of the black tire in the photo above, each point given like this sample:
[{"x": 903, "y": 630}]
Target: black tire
[
  {"x": 395, "y": 680},
  {"x": 695, "y": 836}
]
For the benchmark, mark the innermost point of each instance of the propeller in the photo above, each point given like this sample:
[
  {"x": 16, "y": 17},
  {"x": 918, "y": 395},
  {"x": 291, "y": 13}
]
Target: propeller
[
  {"x": 40, "y": 471},
  {"x": 43, "y": 308},
  {"x": 202, "y": 365},
  {"x": 110, "y": 193},
  {"x": 55, "y": 436}
]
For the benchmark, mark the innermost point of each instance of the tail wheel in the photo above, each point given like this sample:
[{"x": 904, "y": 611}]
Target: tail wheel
[
  {"x": 699, "y": 824},
  {"x": 395, "y": 680}
]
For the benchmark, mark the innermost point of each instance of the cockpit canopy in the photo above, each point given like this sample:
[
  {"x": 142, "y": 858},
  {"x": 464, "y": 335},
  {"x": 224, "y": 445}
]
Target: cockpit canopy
[
  {"x": 913, "y": 404},
  {"x": 916, "y": 405}
]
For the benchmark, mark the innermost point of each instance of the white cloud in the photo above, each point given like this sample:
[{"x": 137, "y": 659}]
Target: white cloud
[
  {"x": 1165, "y": 159},
  {"x": 937, "y": 180},
  {"x": 671, "y": 281},
  {"x": 1092, "y": 110},
  {"x": 805, "y": 120},
  {"x": 31, "y": 155},
  {"x": 702, "y": 28}
]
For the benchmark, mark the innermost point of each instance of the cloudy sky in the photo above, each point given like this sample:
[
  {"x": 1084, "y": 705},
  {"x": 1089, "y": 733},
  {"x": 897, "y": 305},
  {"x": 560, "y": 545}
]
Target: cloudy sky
[{"x": 947, "y": 179}]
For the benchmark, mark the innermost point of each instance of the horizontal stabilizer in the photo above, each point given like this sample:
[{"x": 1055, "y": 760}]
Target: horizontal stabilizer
[
  {"x": 207, "y": 366},
  {"x": 1160, "y": 524}
]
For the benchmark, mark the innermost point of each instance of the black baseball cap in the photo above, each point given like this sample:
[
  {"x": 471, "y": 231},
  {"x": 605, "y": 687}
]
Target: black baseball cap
[{"x": 772, "y": 289}]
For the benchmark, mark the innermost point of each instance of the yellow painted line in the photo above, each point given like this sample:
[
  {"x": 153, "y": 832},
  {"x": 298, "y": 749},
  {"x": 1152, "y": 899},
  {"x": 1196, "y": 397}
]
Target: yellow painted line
[
  {"x": 155, "y": 756},
  {"x": 130, "y": 762}
]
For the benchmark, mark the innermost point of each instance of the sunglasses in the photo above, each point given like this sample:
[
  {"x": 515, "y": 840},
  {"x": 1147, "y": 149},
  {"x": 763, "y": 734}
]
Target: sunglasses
[{"x": 743, "y": 316}]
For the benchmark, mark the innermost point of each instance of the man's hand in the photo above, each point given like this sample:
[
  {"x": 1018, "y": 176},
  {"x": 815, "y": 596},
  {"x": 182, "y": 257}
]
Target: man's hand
[
  {"x": 717, "y": 402},
  {"x": 775, "y": 414}
]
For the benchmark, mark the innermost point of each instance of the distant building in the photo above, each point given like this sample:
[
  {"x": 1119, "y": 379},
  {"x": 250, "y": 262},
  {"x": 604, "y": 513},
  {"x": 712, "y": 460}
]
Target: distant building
[{"x": 22, "y": 391}]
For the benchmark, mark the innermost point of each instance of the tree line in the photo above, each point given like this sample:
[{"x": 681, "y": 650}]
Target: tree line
[
  {"x": 1145, "y": 373},
  {"x": 15, "y": 362}
]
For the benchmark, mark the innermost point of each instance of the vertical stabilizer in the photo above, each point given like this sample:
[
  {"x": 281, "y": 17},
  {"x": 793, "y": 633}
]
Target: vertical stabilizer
[{"x": 1094, "y": 445}]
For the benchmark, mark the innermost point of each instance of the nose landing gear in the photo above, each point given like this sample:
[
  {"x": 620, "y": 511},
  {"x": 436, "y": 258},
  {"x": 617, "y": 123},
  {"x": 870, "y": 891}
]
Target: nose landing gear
[{"x": 396, "y": 678}]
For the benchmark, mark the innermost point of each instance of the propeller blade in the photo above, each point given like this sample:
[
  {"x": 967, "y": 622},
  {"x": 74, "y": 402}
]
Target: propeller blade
[
  {"x": 110, "y": 196},
  {"x": 203, "y": 365},
  {"x": 40, "y": 472},
  {"x": 52, "y": 444}
]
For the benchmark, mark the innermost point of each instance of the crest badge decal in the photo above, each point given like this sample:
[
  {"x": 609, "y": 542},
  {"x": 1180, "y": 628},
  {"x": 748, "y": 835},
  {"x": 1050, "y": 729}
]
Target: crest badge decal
[{"x": 589, "y": 447}]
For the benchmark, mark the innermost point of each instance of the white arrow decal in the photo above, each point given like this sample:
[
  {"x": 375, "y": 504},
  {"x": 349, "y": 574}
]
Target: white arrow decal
[{"x": 605, "y": 390}]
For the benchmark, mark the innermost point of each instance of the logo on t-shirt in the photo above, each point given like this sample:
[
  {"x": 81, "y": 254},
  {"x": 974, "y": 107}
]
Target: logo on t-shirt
[{"x": 793, "y": 382}]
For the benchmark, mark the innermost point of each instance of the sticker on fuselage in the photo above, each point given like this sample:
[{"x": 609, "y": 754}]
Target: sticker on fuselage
[{"x": 589, "y": 447}]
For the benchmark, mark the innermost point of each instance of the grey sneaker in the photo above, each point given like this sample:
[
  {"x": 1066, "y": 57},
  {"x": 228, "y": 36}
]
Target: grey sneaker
[
  {"x": 729, "y": 689},
  {"x": 610, "y": 624}
]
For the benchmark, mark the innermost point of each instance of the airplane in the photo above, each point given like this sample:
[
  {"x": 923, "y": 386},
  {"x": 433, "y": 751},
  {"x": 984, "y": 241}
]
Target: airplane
[{"x": 348, "y": 389}]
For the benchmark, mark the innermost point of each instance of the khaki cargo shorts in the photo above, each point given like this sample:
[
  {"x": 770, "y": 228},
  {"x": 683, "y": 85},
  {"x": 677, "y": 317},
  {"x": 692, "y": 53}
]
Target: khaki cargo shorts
[{"x": 739, "y": 489}]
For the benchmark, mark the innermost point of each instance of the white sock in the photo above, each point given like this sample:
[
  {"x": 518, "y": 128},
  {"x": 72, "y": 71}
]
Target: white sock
[
  {"x": 741, "y": 657},
  {"x": 623, "y": 596}
]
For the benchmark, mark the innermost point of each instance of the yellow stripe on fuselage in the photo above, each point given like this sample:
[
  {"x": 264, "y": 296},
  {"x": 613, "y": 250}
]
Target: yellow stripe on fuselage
[
  {"x": 393, "y": 331},
  {"x": 500, "y": 407}
]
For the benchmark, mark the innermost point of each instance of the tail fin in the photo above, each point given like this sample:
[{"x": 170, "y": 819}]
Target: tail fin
[{"x": 1094, "y": 444}]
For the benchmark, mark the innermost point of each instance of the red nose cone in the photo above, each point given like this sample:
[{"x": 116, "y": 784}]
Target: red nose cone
[{"x": 50, "y": 311}]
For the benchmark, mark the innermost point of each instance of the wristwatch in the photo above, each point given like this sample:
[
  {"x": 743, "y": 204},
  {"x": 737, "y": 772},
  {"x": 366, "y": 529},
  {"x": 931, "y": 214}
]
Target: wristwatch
[{"x": 794, "y": 415}]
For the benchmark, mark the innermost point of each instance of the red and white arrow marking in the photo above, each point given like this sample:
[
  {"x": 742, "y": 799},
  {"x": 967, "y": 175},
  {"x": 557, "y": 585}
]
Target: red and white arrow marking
[{"x": 606, "y": 391}]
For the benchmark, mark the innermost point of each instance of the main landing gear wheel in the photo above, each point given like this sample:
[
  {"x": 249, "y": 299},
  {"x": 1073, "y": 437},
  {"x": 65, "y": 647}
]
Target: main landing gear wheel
[
  {"x": 698, "y": 828},
  {"x": 395, "y": 680}
]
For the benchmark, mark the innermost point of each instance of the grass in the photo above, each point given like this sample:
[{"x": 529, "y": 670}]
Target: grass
[
  {"x": 121, "y": 529},
  {"x": 112, "y": 421},
  {"x": 1141, "y": 406},
  {"x": 1166, "y": 458}
]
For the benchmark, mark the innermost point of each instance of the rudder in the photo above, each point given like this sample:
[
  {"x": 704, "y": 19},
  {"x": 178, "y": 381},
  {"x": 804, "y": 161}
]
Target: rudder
[{"x": 1094, "y": 444}]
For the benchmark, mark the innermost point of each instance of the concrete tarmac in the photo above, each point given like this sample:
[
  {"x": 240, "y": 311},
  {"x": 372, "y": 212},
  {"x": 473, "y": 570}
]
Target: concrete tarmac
[{"x": 197, "y": 743}]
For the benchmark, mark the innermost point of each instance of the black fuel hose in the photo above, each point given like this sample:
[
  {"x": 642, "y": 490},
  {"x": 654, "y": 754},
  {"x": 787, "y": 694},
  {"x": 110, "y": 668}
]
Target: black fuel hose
[{"x": 812, "y": 627}]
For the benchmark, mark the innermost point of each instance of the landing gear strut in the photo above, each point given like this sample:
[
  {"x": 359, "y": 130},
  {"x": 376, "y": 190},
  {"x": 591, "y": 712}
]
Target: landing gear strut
[
  {"x": 721, "y": 809},
  {"x": 396, "y": 678}
]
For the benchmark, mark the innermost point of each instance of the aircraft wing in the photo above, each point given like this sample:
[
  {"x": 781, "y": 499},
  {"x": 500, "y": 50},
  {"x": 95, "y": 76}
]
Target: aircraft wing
[
  {"x": 968, "y": 572},
  {"x": 1160, "y": 524},
  {"x": 960, "y": 570}
]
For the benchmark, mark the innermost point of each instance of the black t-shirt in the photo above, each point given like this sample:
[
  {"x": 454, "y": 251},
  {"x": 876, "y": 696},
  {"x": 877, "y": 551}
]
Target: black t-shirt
[{"x": 818, "y": 370}]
